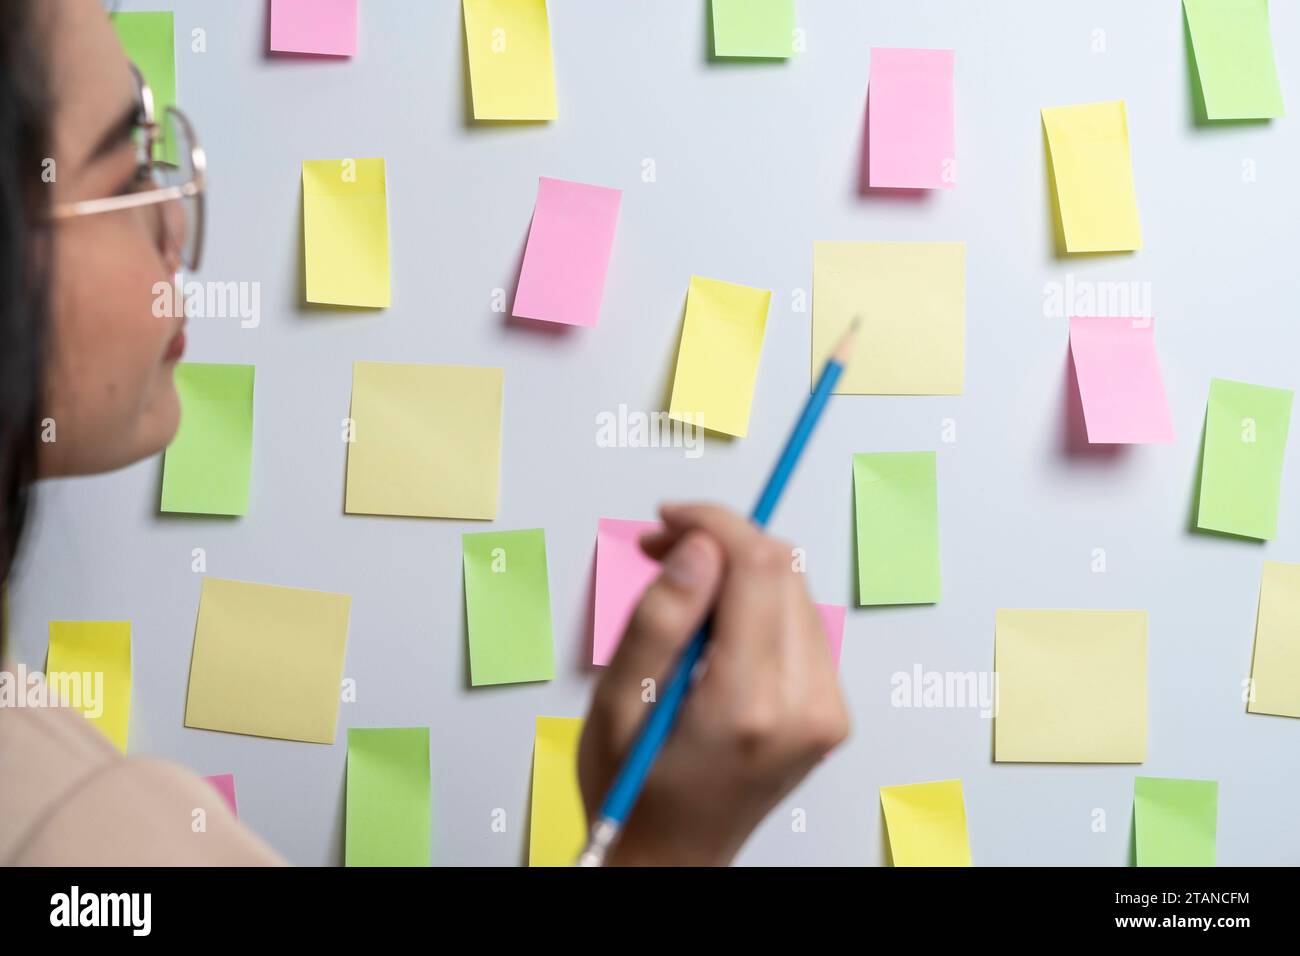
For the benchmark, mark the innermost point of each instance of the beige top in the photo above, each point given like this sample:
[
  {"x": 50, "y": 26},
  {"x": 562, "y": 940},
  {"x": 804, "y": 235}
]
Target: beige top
[{"x": 69, "y": 798}]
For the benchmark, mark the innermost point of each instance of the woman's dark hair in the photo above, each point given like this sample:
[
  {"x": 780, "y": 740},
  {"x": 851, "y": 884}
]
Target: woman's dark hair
[{"x": 25, "y": 141}]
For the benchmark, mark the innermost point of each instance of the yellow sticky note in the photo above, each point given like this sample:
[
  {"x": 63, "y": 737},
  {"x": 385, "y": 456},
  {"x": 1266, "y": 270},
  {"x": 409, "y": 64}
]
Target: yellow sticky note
[
  {"x": 558, "y": 829},
  {"x": 912, "y": 300},
  {"x": 268, "y": 661},
  {"x": 717, "y": 362},
  {"x": 927, "y": 824},
  {"x": 1071, "y": 686},
  {"x": 426, "y": 440},
  {"x": 345, "y": 231},
  {"x": 1275, "y": 672},
  {"x": 1092, "y": 174},
  {"x": 88, "y": 666},
  {"x": 511, "y": 72}
]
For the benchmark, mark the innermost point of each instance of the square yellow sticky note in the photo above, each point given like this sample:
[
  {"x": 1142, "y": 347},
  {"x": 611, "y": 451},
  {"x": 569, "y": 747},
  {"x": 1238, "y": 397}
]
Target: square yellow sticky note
[
  {"x": 558, "y": 828},
  {"x": 927, "y": 824},
  {"x": 1275, "y": 672},
  {"x": 912, "y": 300},
  {"x": 345, "y": 232},
  {"x": 1092, "y": 174},
  {"x": 426, "y": 440},
  {"x": 88, "y": 666},
  {"x": 509, "y": 47},
  {"x": 268, "y": 661},
  {"x": 1071, "y": 686},
  {"x": 717, "y": 362}
]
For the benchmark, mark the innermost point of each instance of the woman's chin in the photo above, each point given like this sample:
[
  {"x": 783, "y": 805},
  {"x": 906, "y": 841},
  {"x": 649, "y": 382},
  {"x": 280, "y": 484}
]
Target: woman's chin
[{"x": 160, "y": 422}]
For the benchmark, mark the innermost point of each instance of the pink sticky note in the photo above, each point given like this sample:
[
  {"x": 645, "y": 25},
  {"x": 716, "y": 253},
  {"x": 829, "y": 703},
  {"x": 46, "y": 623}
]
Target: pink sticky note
[
  {"x": 1120, "y": 387},
  {"x": 910, "y": 120},
  {"x": 323, "y": 27},
  {"x": 563, "y": 276},
  {"x": 225, "y": 784},
  {"x": 623, "y": 572},
  {"x": 832, "y": 616}
]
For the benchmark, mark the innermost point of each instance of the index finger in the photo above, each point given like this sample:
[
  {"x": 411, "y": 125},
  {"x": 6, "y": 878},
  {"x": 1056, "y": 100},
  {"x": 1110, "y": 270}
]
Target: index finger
[{"x": 737, "y": 534}]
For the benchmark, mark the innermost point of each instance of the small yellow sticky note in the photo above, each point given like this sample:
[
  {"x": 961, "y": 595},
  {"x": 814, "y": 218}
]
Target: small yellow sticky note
[
  {"x": 345, "y": 232},
  {"x": 927, "y": 824},
  {"x": 268, "y": 661},
  {"x": 1092, "y": 174},
  {"x": 1275, "y": 672},
  {"x": 911, "y": 297},
  {"x": 717, "y": 362},
  {"x": 511, "y": 72},
  {"x": 426, "y": 440},
  {"x": 558, "y": 829},
  {"x": 1071, "y": 686},
  {"x": 88, "y": 666}
]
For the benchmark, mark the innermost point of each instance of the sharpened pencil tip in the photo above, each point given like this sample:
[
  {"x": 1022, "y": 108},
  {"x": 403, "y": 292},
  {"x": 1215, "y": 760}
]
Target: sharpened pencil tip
[{"x": 844, "y": 351}]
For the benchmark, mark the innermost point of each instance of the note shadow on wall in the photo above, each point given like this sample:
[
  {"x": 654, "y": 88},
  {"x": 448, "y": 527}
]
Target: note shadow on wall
[
  {"x": 881, "y": 193},
  {"x": 666, "y": 392},
  {"x": 1195, "y": 504},
  {"x": 1198, "y": 115},
  {"x": 300, "y": 305},
  {"x": 1074, "y": 425},
  {"x": 512, "y": 321},
  {"x": 740, "y": 61},
  {"x": 1059, "y": 250}
]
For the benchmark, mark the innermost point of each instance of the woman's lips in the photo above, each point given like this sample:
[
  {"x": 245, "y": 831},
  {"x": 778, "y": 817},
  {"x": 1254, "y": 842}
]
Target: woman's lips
[{"x": 176, "y": 348}]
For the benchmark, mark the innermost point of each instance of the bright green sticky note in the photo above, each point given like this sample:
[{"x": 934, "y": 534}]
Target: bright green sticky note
[
  {"x": 508, "y": 607},
  {"x": 388, "y": 807},
  {"x": 1176, "y": 821},
  {"x": 207, "y": 465},
  {"x": 753, "y": 28},
  {"x": 148, "y": 39},
  {"x": 1233, "y": 47},
  {"x": 897, "y": 510},
  {"x": 1241, "y": 471}
]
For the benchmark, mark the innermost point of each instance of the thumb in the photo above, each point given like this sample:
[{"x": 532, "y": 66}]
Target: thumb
[{"x": 670, "y": 611}]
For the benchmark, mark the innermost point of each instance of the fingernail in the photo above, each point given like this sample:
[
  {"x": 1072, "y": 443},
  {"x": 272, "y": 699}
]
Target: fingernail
[{"x": 685, "y": 563}]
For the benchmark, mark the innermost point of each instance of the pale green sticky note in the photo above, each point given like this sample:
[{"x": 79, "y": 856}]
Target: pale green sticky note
[
  {"x": 1233, "y": 46},
  {"x": 148, "y": 39},
  {"x": 896, "y": 507},
  {"x": 388, "y": 808},
  {"x": 754, "y": 28},
  {"x": 1176, "y": 821},
  {"x": 207, "y": 466},
  {"x": 508, "y": 607},
  {"x": 1241, "y": 469}
]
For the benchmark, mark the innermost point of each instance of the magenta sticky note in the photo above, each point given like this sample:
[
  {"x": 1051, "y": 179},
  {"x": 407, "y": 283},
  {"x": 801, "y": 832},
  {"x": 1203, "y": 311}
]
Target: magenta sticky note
[
  {"x": 1120, "y": 387},
  {"x": 322, "y": 27},
  {"x": 910, "y": 135},
  {"x": 623, "y": 572},
  {"x": 832, "y": 616},
  {"x": 569, "y": 244},
  {"x": 225, "y": 784}
]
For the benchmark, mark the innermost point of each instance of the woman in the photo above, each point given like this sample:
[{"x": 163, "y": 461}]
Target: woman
[{"x": 89, "y": 227}]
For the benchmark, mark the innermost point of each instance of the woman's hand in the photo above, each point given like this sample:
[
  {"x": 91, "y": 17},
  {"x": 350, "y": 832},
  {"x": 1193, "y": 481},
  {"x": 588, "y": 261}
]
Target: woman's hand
[{"x": 764, "y": 711}]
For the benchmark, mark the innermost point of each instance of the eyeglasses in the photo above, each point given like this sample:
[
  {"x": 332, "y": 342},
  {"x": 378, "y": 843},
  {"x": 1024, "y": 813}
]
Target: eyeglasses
[{"x": 174, "y": 192}]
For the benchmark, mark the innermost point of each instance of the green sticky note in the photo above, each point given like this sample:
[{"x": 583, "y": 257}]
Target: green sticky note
[
  {"x": 388, "y": 807},
  {"x": 1233, "y": 47},
  {"x": 1241, "y": 469},
  {"x": 148, "y": 39},
  {"x": 753, "y": 28},
  {"x": 897, "y": 519},
  {"x": 1176, "y": 821},
  {"x": 207, "y": 466},
  {"x": 508, "y": 607}
]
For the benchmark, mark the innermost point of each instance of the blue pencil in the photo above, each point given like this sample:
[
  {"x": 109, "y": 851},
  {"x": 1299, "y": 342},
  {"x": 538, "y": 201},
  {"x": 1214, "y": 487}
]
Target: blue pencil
[{"x": 659, "y": 722}]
